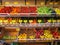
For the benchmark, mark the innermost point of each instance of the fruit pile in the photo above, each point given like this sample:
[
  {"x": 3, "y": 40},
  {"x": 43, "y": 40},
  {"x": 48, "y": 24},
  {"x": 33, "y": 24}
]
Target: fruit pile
[
  {"x": 9, "y": 37},
  {"x": 18, "y": 10},
  {"x": 40, "y": 34},
  {"x": 44, "y": 10},
  {"x": 10, "y": 33},
  {"x": 57, "y": 10},
  {"x": 47, "y": 34},
  {"x": 30, "y": 21},
  {"x": 22, "y": 36},
  {"x": 30, "y": 9}
]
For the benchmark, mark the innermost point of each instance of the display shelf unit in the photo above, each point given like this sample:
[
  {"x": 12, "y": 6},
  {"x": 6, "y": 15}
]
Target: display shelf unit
[{"x": 28, "y": 25}]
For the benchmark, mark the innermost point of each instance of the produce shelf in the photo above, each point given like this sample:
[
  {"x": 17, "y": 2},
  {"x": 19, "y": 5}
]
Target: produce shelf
[
  {"x": 28, "y": 15},
  {"x": 30, "y": 40},
  {"x": 27, "y": 25}
]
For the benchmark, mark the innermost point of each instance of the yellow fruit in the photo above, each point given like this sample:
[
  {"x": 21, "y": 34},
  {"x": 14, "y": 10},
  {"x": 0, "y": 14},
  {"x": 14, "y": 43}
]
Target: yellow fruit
[
  {"x": 51, "y": 3},
  {"x": 42, "y": 36},
  {"x": 13, "y": 37},
  {"x": 20, "y": 21},
  {"x": 49, "y": 20},
  {"x": 57, "y": 10},
  {"x": 54, "y": 21},
  {"x": 30, "y": 21},
  {"x": 39, "y": 21},
  {"x": 27, "y": 3},
  {"x": 15, "y": 2},
  {"x": 32, "y": 37},
  {"x": 42, "y": 3},
  {"x": 7, "y": 3},
  {"x": 1, "y": 21},
  {"x": 25, "y": 21},
  {"x": 17, "y": 29}
]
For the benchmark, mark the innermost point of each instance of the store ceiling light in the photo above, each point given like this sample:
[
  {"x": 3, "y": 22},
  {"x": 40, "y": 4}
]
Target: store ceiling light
[
  {"x": 15, "y": 2},
  {"x": 7, "y": 3}
]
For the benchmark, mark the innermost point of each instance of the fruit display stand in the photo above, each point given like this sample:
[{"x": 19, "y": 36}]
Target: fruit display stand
[
  {"x": 31, "y": 25},
  {"x": 29, "y": 22}
]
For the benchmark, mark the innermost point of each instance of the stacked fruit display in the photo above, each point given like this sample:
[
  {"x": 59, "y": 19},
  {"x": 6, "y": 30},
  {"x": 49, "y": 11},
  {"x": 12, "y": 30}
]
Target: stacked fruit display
[
  {"x": 40, "y": 34},
  {"x": 30, "y": 9},
  {"x": 44, "y": 10},
  {"x": 18, "y": 9},
  {"x": 24, "y": 10},
  {"x": 6, "y": 10},
  {"x": 47, "y": 34},
  {"x": 11, "y": 35},
  {"x": 30, "y": 21},
  {"x": 22, "y": 36}
]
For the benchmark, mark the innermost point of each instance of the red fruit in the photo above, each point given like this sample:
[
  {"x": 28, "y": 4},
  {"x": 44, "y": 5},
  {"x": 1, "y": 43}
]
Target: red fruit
[
  {"x": 32, "y": 9},
  {"x": 55, "y": 34},
  {"x": 18, "y": 9},
  {"x": 41, "y": 32},
  {"x": 37, "y": 34},
  {"x": 24, "y": 10}
]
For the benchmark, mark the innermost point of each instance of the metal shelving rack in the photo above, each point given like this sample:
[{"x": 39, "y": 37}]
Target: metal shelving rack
[{"x": 19, "y": 15}]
